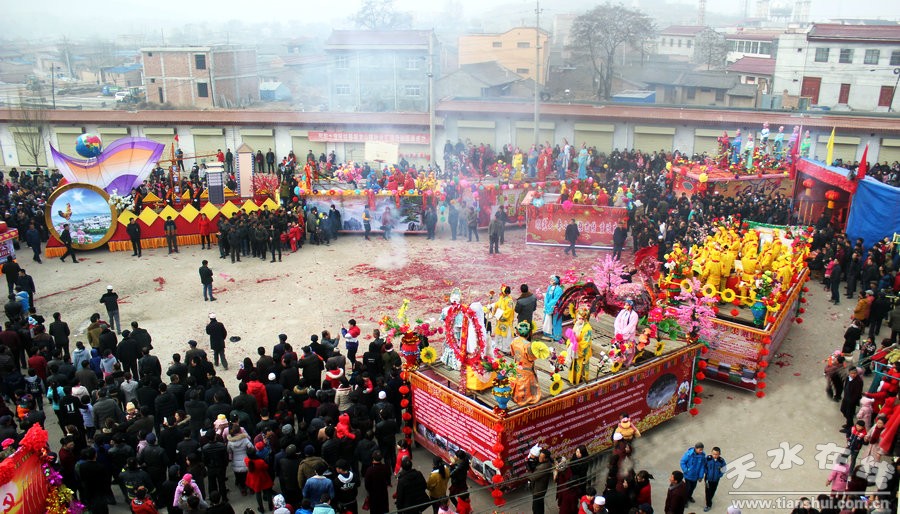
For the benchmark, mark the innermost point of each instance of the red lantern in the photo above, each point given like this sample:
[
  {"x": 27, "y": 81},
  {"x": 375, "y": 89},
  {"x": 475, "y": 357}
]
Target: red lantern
[
  {"x": 761, "y": 385},
  {"x": 407, "y": 431},
  {"x": 802, "y": 300},
  {"x": 767, "y": 340},
  {"x": 701, "y": 376},
  {"x": 763, "y": 364},
  {"x": 406, "y": 416},
  {"x": 404, "y": 390},
  {"x": 497, "y": 493},
  {"x": 698, "y": 401},
  {"x": 404, "y": 375},
  {"x": 831, "y": 195},
  {"x": 702, "y": 364},
  {"x": 799, "y": 320},
  {"x": 761, "y": 375},
  {"x": 764, "y": 351},
  {"x": 698, "y": 389},
  {"x": 760, "y": 394},
  {"x": 735, "y": 312},
  {"x": 694, "y": 411},
  {"x": 808, "y": 184},
  {"x": 498, "y": 448},
  {"x": 404, "y": 403},
  {"x": 499, "y": 502},
  {"x": 704, "y": 349},
  {"x": 498, "y": 463},
  {"x": 496, "y": 479},
  {"x": 770, "y": 319}
]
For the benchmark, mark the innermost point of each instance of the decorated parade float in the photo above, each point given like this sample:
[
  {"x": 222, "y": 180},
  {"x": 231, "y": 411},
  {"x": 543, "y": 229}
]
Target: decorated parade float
[
  {"x": 604, "y": 350},
  {"x": 751, "y": 276}
]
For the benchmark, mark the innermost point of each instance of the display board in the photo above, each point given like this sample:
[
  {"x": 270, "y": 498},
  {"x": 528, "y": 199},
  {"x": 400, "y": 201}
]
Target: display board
[{"x": 546, "y": 225}]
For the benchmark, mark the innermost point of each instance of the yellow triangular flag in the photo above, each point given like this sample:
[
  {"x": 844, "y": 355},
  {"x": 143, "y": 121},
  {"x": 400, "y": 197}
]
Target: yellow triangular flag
[{"x": 829, "y": 149}]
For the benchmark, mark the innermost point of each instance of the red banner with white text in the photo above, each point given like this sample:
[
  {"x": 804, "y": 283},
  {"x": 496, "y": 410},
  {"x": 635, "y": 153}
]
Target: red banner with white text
[{"x": 546, "y": 225}]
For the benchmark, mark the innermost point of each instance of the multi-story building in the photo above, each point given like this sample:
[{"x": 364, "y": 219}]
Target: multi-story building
[
  {"x": 513, "y": 50},
  {"x": 849, "y": 67},
  {"x": 678, "y": 41},
  {"x": 378, "y": 71},
  {"x": 201, "y": 76},
  {"x": 751, "y": 43}
]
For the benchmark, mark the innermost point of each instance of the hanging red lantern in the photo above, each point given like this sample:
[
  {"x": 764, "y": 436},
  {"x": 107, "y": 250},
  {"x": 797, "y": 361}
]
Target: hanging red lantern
[
  {"x": 805, "y": 289},
  {"x": 767, "y": 340},
  {"x": 496, "y": 479},
  {"x": 831, "y": 195},
  {"x": 760, "y": 385},
  {"x": 764, "y": 351},
  {"x": 702, "y": 364},
  {"x": 499, "y": 502},
  {"x": 763, "y": 364},
  {"x": 404, "y": 403},
  {"x": 799, "y": 321},
  {"x": 404, "y": 390},
  {"x": 701, "y": 376},
  {"x": 761, "y": 375},
  {"x": 801, "y": 310},
  {"x": 698, "y": 389},
  {"x": 704, "y": 349},
  {"x": 698, "y": 401},
  {"x": 406, "y": 416},
  {"x": 498, "y": 463},
  {"x": 760, "y": 394},
  {"x": 694, "y": 411},
  {"x": 407, "y": 431},
  {"x": 498, "y": 448},
  {"x": 808, "y": 184},
  {"x": 735, "y": 312}
]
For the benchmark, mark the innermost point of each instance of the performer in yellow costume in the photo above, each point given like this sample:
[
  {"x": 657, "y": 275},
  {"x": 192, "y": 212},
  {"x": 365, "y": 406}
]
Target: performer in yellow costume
[
  {"x": 712, "y": 268},
  {"x": 525, "y": 388},
  {"x": 749, "y": 267},
  {"x": 504, "y": 312},
  {"x": 729, "y": 255},
  {"x": 750, "y": 243},
  {"x": 581, "y": 350}
]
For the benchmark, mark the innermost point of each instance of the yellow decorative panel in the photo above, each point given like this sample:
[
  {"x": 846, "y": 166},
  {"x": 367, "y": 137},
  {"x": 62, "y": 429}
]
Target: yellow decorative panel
[
  {"x": 270, "y": 204},
  {"x": 249, "y": 207},
  {"x": 210, "y": 210},
  {"x": 126, "y": 216},
  {"x": 168, "y": 211},
  {"x": 189, "y": 213},
  {"x": 228, "y": 209},
  {"x": 148, "y": 216},
  {"x": 152, "y": 198}
]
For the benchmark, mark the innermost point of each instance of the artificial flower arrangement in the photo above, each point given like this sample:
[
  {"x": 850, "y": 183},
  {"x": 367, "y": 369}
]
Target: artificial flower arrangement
[
  {"x": 497, "y": 363},
  {"x": 120, "y": 203}
]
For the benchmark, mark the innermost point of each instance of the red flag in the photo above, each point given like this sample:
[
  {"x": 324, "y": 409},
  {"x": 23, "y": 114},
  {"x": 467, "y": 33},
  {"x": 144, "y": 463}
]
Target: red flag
[
  {"x": 176, "y": 138},
  {"x": 863, "y": 165},
  {"x": 795, "y": 152}
]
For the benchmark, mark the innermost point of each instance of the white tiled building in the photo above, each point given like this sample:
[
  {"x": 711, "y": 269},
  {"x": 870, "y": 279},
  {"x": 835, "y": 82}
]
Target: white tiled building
[{"x": 842, "y": 67}]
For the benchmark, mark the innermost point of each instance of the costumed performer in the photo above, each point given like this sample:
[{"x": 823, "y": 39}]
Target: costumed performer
[
  {"x": 503, "y": 313},
  {"x": 779, "y": 143},
  {"x": 625, "y": 325},
  {"x": 449, "y": 357},
  {"x": 580, "y": 347},
  {"x": 475, "y": 380},
  {"x": 525, "y": 388},
  {"x": 552, "y": 326}
]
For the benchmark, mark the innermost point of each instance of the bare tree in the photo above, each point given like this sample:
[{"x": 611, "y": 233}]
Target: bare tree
[
  {"x": 711, "y": 49},
  {"x": 602, "y": 32},
  {"x": 381, "y": 15},
  {"x": 31, "y": 131}
]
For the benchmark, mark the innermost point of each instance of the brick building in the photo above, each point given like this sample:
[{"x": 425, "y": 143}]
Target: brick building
[{"x": 201, "y": 76}]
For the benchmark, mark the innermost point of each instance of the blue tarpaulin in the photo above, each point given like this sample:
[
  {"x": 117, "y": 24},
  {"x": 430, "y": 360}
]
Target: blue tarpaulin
[{"x": 874, "y": 212}]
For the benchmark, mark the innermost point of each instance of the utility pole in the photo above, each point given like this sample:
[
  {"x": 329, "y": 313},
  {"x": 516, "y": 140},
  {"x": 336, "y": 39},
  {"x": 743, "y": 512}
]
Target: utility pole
[
  {"x": 537, "y": 74},
  {"x": 431, "y": 146},
  {"x": 53, "y": 84}
]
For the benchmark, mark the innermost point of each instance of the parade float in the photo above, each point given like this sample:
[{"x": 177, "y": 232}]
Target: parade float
[
  {"x": 752, "y": 276},
  {"x": 30, "y": 483},
  {"x": 497, "y": 394}
]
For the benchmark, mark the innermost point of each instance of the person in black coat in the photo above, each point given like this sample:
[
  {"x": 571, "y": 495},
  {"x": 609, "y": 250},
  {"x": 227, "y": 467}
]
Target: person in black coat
[
  {"x": 412, "y": 497},
  {"x": 134, "y": 234},
  {"x": 571, "y": 236},
  {"x": 853, "y": 391},
  {"x": 217, "y": 334},
  {"x": 128, "y": 351}
]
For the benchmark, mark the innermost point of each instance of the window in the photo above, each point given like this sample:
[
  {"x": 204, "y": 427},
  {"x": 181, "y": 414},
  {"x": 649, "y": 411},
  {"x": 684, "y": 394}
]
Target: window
[
  {"x": 846, "y": 56},
  {"x": 732, "y": 45},
  {"x": 497, "y": 44},
  {"x": 690, "y": 93},
  {"x": 895, "y": 58},
  {"x": 822, "y": 54},
  {"x": 162, "y": 98},
  {"x": 202, "y": 89},
  {"x": 523, "y": 44},
  {"x": 671, "y": 41},
  {"x": 872, "y": 56},
  {"x": 153, "y": 81},
  {"x": 765, "y": 48},
  {"x": 750, "y": 80},
  {"x": 342, "y": 89},
  {"x": 720, "y": 95},
  {"x": 149, "y": 54},
  {"x": 200, "y": 61},
  {"x": 690, "y": 43},
  {"x": 412, "y": 63},
  {"x": 754, "y": 48},
  {"x": 741, "y": 46},
  {"x": 341, "y": 62},
  {"x": 413, "y": 91}
]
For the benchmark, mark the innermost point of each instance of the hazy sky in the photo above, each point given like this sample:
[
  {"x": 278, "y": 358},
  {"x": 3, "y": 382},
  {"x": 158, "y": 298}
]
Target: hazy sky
[{"x": 55, "y": 18}]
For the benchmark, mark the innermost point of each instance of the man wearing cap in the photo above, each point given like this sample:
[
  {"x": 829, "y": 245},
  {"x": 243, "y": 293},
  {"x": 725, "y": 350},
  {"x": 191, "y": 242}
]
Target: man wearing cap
[
  {"x": 217, "y": 334},
  {"x": 599, "y": 505},
  {"x": 110, "y": 300}
]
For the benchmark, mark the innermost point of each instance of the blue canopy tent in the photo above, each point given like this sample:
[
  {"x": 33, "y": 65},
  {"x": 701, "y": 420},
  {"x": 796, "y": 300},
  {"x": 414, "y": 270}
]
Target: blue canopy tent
[{"x": 874, "y": 212}]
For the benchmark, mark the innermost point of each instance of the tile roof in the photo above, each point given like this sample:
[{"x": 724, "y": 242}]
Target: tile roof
[
  {"x": 753, "y": 65},
  {"x": 357, "y": 39},
  {"x": 682, "y": 30},
  {"x": 490, "y": 73},
  {"x": 747, "y": 90},
  {"x": 834, "y": 31}
]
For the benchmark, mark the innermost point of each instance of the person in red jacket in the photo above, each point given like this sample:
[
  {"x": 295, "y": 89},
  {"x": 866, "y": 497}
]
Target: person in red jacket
[
  {"x": 642, "y": 480},
  {"x": 142, "y": 504},
  {"x": 258, "y": 479},
  {"x": 258, "y": 390},
  {"x": 204, "y": 233}
]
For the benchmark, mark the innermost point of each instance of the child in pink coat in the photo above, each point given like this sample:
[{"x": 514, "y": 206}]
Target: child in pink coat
[{"x": 839, "y": 476}]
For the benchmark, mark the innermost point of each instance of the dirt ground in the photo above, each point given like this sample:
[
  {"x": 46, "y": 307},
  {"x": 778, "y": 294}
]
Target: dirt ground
[{"x": 323, "y": 286}]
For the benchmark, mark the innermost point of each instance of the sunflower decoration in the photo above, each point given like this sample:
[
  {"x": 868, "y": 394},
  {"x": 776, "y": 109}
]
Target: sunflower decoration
[
  {"x": 709, "y": 291},
  {"x": 728, "y": 295},
  {"x": 748, "y": 300},
  {"x": 615, "y": 366},
  {"x": 556, "y": 386},
  {"x": 428, "y": 355},
  {"x": 658, "y": 350},
  {"x": 685, "y": 285}
]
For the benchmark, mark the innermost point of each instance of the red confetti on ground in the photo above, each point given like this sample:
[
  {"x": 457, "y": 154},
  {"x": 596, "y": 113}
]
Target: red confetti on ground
[
  {"x": 261, "y": 280},
  {"x": 796, "y": 374},
  {"x": 729, "y": 397},
  {"x": 70, "y": 289},
  {"x": 222, "y": 290},
  {"x": 161, "y": 281}
]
